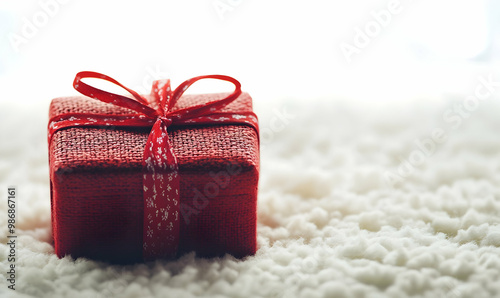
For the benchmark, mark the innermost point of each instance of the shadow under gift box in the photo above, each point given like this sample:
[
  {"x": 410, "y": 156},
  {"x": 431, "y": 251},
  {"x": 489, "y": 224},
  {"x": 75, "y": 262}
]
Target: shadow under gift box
[{"x": 96, "y": 181}]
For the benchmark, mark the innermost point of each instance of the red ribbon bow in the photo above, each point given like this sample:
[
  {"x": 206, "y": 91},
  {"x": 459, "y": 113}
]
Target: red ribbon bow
[{"x": 160, "y": 178}]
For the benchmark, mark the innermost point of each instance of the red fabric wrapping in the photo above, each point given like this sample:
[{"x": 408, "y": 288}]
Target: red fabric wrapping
[{"x": 96, "y": 184}]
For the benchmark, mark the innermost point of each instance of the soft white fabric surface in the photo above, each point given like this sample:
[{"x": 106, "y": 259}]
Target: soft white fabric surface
[{"x": 329, "y": 223}]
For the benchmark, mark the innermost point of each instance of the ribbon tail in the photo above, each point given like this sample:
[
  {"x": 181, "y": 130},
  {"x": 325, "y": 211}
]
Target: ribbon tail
[{"x": 161, "y": 196}]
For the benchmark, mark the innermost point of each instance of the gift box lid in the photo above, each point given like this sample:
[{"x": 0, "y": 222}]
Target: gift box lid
[{"x": 110, "y": 148}]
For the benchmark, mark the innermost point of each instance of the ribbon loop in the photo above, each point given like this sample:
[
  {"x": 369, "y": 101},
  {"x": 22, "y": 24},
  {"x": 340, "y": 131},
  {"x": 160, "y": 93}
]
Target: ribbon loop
[
  {"x": 139, "y": 105},
  {"x": 206, "y": 108}
]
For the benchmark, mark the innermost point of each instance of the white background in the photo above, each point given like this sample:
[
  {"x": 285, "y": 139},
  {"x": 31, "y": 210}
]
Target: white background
[{"x": 277, "y": 49}]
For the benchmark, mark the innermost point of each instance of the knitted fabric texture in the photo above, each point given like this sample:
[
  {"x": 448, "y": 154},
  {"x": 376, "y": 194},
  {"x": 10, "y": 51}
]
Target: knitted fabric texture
[{"x": 96, "y": 184}]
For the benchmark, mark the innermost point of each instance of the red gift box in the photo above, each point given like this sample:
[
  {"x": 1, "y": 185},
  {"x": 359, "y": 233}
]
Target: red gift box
[{"x": 98, "y": 175}]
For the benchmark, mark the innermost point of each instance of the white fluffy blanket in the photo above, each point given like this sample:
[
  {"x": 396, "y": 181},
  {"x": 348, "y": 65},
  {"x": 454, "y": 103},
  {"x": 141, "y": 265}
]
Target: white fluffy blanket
[{"x": 331, "y": 223}]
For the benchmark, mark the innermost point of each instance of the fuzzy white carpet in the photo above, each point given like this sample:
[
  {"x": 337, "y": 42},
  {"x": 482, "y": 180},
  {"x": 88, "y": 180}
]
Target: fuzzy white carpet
[{"x": 330, "y": 225}]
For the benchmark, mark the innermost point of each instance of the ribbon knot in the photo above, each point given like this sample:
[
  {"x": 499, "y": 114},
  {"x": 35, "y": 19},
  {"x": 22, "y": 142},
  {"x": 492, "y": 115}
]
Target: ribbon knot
[
  {"x": 161, "y": 179},
  {"x": 166, "y": 120}
]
